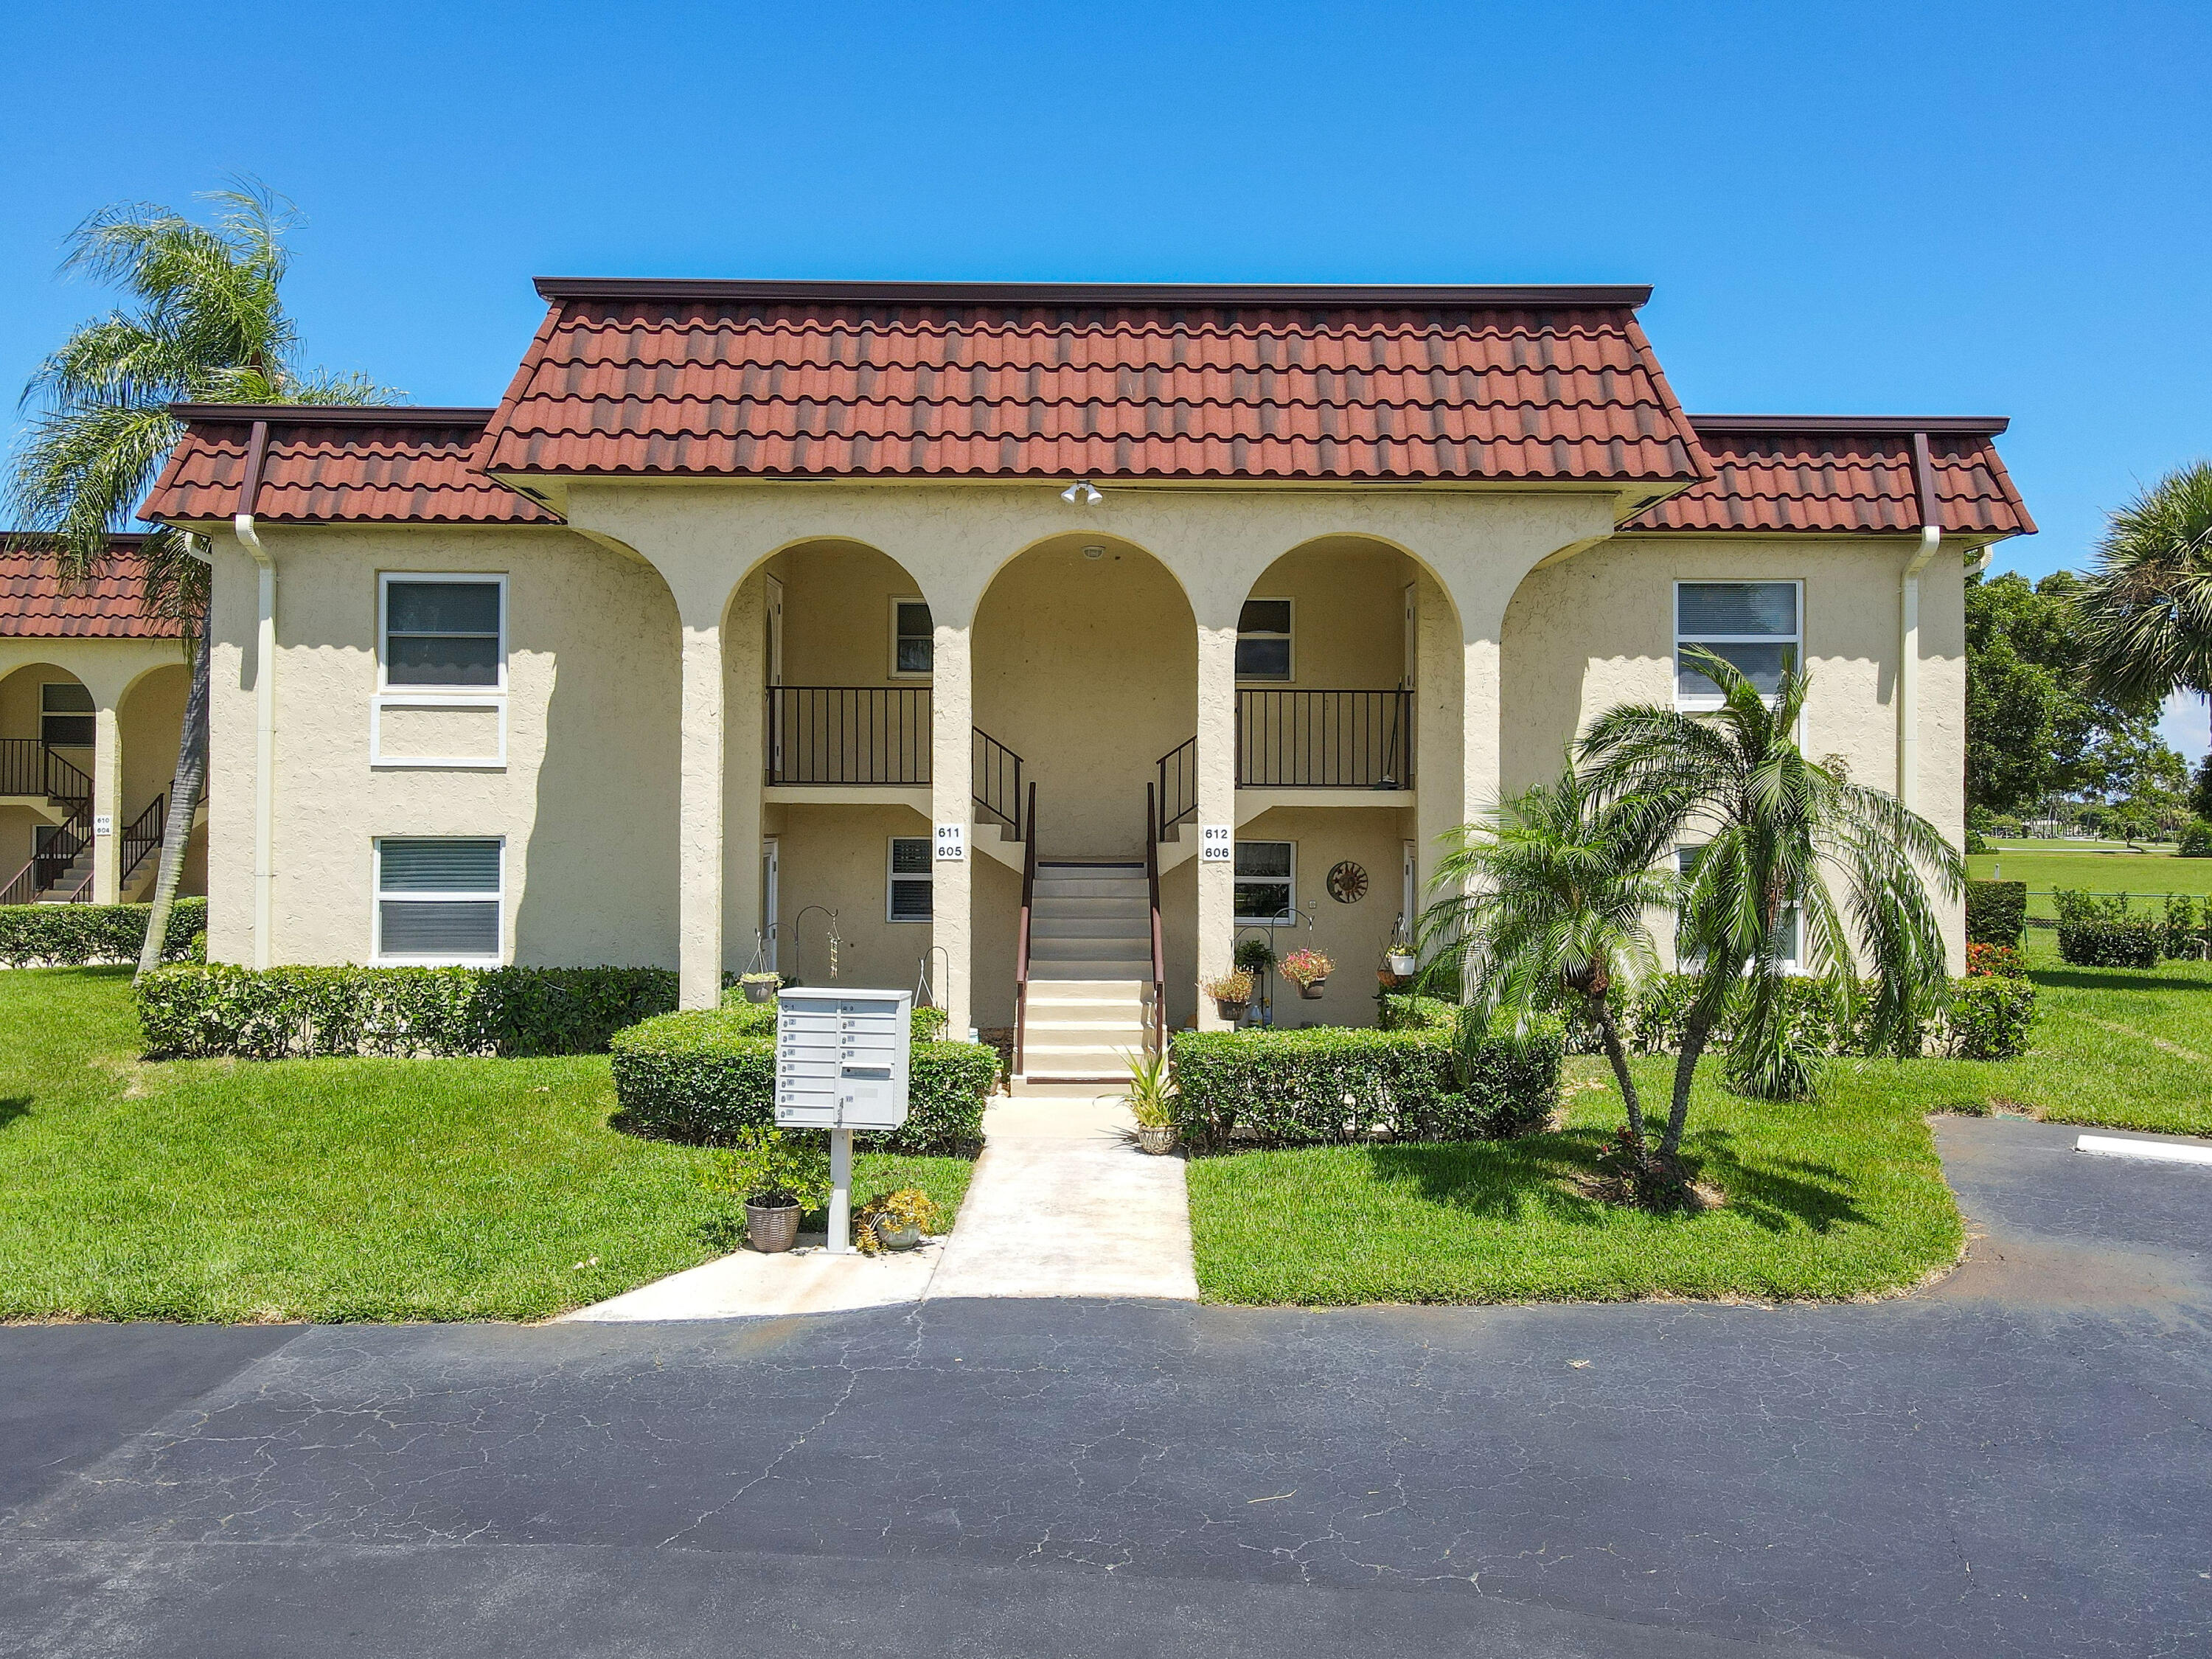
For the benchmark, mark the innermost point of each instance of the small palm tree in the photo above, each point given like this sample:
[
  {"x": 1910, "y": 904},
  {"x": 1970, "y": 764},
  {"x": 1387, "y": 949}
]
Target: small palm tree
[
  {"x": 2147, "y": 606},
  {"x": 1546, "y": 897},
  {"x": 208, "y": 326},
  {"x": 1775, "y": 830}
]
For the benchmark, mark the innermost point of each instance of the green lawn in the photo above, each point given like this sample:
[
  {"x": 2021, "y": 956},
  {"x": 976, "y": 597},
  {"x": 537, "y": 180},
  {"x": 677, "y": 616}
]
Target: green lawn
[
  {"x": 2045, "y": 866},
  {"x": 329, "y": 1188},
  {"x": 1839, "y": 1197}
]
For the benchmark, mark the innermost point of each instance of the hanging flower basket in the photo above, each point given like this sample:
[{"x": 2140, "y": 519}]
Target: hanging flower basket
[
  {"x": 760, "y": 987},
  {"x": 1401, "y": 963},
  {"x": 1309, "y": 970},
  {"x": 1231, "y": 994}
]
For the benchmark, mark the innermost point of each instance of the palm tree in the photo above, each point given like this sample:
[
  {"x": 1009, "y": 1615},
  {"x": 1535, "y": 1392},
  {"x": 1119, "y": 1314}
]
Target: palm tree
[
  {"x": 2146, "y": 607},
  {"x": 206, "y": 324},
  {"x": 1547, "y": 896},
  {"x": 1775, "y": 829}
]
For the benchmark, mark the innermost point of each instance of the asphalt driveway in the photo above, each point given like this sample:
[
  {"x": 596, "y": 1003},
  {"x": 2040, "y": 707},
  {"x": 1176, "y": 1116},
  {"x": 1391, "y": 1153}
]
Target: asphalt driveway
[{"x": 2017, "y": 1462}]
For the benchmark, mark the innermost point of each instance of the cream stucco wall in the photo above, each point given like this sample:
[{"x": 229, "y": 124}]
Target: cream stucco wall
[
  {"x": 1347, "y": 598},
  {"x": 586, "y": 799},
  {"x": 1352, "y": 935},
  {"x": 1598, "y": 629}
]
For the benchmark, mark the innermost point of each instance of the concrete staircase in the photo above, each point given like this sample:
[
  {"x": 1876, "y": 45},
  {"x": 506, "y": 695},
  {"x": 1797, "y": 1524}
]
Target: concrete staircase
[{"x": 1089, "y": 1007}]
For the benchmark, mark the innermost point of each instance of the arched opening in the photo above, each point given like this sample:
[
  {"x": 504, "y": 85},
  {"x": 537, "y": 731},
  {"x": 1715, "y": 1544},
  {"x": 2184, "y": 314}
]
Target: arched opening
[
  {"x": 149, "y": 720},
  {"x": 844, "y": 669},
  {"x": 1086, "y": 666},
  {"x": 48, "y": 728},
  {"x": 1327, "y": 850}
]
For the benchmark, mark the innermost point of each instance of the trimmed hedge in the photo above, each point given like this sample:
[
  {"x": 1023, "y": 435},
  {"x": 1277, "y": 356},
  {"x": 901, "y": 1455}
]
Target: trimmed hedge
[
  {"x": 71, "y": 935},
  {"x": 272, "y": 1013},
  {"x": 2196, "y": 839},
  {"x": 1991, "y": 1016},
  {"x": 1402, "y": 1010},
  {"x": 701, "y": 1075},
  {"x": 2099, "y": 930},
  {"x": 1333, "y": 1084},
  {"x": 1996, "y": 912}
]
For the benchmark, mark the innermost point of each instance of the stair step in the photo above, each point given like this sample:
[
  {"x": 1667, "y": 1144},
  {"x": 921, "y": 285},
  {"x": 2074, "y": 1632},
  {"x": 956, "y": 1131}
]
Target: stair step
[{"x": 1136, "y": 928}]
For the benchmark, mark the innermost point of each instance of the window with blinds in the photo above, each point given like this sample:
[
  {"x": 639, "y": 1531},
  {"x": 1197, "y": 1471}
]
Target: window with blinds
[
  {"x": 444, "y": 631},
  {"x": 66, "y": 717},
  {"x": 437, "y": 900},
  {"x": 906, "y": 897},
  {"x": 1265, "y": 880},
  {"x": 1757, "y": 626}
]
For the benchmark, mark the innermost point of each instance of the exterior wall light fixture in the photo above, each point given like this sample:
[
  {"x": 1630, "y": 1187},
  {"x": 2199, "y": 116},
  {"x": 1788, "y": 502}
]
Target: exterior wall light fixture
[{"x": 1081, "y": 493}]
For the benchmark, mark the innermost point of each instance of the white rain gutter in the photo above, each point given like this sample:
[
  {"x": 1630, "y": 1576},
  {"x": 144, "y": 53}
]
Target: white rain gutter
[
  {"x": 264, "y": 698},
  {"x": 1908, "y": 662}
]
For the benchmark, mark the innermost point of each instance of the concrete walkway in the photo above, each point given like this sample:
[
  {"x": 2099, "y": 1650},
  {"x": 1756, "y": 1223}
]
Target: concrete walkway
[{"x": 1063, "y": 1204}]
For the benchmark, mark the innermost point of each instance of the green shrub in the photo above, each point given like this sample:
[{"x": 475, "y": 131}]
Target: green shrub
[
  {"x": 2095, "y": 930},
  {"x": 1333, "y": 1085},
  {"x": 2196, "y": 839},
  {"x": 1998, "y": 959},
  {"x": 1403, "y": 1010},
  {"x": 706, "y": 1076},
  {"x": 1812, "y": 1023},
  {"x": 1989, "y": 1017},
  {"x": 1996, "y": 912},
  {"x": 773, "y": 1168},
  {"x": 2182, "y": 937},
  {"x": 71, "y": 935},
  {"x": 194, "y": 1009},
  {"x": 929, "y": 1023}
]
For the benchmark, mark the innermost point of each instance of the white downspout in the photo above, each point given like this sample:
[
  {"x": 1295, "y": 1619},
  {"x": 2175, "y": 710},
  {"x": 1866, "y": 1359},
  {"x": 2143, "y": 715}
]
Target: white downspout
[
  {"x": 264, "y": 699},
  {"x": 1908, "y": 664}
]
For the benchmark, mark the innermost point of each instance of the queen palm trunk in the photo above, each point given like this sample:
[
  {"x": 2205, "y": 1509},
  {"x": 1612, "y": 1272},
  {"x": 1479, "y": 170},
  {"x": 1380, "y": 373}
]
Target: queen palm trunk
[{"x": 184, "y": 798}]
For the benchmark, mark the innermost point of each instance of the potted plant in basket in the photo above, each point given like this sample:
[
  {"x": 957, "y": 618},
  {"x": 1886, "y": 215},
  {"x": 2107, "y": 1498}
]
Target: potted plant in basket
[
  {"x": 894, "y": 1220},
  {"x": 1231, "y": 993},
  {"x": 1309, "y": 970},
  {"x": 780, "y": 1174},
  {"x": 760, "y": 987},
  {"x": 1399, "y": 954},
  {"x": 1152, "y": 1101}
]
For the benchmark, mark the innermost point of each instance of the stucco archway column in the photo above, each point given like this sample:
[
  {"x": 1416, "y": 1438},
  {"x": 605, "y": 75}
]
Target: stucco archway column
[
  {"x": 744, "y": 775},
  {"x": 106, "y": 802},
  {"x": 1217, "y": 804},
  {"x": 951, "y": 788}
]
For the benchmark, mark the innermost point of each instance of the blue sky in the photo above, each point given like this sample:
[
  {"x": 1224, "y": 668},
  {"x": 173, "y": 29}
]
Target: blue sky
[{"x": 1964, "y": 208}]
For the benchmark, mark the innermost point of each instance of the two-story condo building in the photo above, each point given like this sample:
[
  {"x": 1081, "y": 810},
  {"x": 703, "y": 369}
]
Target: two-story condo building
[{"x": 1044, "y": 640}]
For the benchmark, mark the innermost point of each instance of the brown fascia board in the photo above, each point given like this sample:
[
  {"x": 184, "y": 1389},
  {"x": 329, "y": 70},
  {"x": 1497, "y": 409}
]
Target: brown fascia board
[
  {"x": 330, "y": 414},
  {"x": 1987, "y": 426},
  {"x": 1618, "y": 296}
]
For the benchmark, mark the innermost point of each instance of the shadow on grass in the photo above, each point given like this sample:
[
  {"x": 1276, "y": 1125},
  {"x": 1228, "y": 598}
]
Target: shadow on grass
[
  {"x": 2123, "y": 979},
  {"x": 1504, "y": 1180},
  {"x": 13, "y": 1107}
]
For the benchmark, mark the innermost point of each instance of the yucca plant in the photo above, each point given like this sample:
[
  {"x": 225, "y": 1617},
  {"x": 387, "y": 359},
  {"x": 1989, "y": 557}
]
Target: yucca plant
[
  {"x": 1151, "y": 1092},
  {"x": 1778, "y": 836}
]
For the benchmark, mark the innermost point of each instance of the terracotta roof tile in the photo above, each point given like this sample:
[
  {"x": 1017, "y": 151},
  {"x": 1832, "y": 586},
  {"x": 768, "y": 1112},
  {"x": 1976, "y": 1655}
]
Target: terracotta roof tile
[
  {"x": 1837, "y": 473},
  {"x": 672, "y": 379},
  {"x": 34, "y": 603},
  {"x": 336, "y": 466}
]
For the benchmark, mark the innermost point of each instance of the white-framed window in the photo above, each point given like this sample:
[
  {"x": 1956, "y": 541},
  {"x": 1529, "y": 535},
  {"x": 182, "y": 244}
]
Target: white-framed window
[
  {"x": 913, "y": 639},
  {"x": 442, "y": 632},
  {"x": 1266, "y": 880},
  {"x": 1263, "y": 640},
  {"x": 67, "y": 718},
  {"x": 906, "y": 880},
  {"x": 439, "y": 899},
  {"x": 1686, "y": 962},
  {"x": 1757, "y": 626}
]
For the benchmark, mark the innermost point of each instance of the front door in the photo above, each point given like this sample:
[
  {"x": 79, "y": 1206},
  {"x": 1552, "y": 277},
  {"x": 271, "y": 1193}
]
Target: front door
[{"x": 770, "y": 911}]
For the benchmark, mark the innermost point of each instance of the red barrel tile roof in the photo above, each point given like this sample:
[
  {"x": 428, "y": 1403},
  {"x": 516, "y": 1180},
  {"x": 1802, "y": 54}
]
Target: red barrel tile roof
[
  {"x": 34, "y": 605},
  {"x": 1843, "y": 473},
  {"x": 336, "y": 465},
  {"x": 1006, "y": 380}
]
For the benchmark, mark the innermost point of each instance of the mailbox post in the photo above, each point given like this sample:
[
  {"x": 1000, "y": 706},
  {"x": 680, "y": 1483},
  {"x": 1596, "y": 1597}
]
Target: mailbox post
[{"x": 841, "y": 1065}]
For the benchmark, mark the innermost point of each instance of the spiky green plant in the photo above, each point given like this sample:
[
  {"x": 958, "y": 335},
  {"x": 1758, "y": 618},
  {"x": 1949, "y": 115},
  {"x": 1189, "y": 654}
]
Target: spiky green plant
[
  {"x": 2146, "y": 607},
  {"x": 1775, "y": 829},
  {"x": 205, "y": 323},
  {"x": 1547, "y": 896}
]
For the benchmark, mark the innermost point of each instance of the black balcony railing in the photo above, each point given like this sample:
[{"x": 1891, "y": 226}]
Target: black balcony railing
[
  {"x": 997, "y": 780},
  {"x": 1324, "y": 739},
  {"x": 849, "y": 734},
  {"x": 1178, "y": 785},
  {"x": 28, "y": 767}
]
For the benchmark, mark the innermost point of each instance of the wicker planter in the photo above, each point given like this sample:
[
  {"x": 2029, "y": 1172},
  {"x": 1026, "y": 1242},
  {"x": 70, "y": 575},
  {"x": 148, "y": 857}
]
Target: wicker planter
[
  {"x": 1234, "y": 1012},
  {"x": 1311, "y": 991},
  {"x": 771, "y": 1228},
  {"x": 1158, "y": 1139},
  {"x": 758, "y": 990}
]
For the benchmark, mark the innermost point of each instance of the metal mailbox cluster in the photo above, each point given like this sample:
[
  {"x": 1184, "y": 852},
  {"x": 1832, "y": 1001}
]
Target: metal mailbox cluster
[{"x": 841, "y": 1058}]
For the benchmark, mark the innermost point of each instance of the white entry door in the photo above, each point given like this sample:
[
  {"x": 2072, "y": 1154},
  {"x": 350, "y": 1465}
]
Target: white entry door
[
  {"x": 774, "y": 655},
  {"x": 770, "y": 926}
]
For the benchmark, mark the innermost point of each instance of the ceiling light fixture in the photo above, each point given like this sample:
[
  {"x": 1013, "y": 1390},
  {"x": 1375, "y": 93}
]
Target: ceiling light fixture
[
  {"x": 1081, "y": 493},
  {"x": 1094, "y": 552}
]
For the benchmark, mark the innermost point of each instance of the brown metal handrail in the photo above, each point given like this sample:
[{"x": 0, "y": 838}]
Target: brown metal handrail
[
  {"x": 997, "y": 780},
  {"x": 1159, "y": 953},
  {"x": 1300, "y": 739},
  {"x": 1178, "y": 785},
  {"x": 143, "y": 834},
  {"x": 1022, "y": 938},
  {"x": 52, "y": 862},
  {"x": 28, "y": 766},
  {"x": 870, "y": 734}
]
